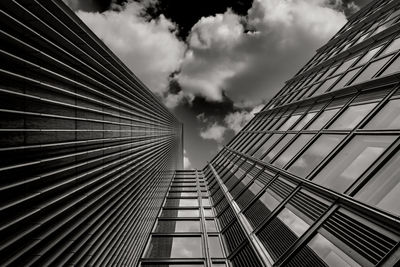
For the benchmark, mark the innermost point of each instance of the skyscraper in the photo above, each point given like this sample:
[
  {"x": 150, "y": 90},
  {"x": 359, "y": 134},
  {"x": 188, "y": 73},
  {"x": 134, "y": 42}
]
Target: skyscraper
[
  {"x": 313, "y": 179},
  {"x": 87, "y": 151},
  {"x": 90, "y": 158}
]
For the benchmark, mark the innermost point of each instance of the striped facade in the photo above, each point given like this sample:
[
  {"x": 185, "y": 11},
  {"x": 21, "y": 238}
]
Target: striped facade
[
  {"x": 87, "y": 151},
  {"x": 313, "y": 178}
]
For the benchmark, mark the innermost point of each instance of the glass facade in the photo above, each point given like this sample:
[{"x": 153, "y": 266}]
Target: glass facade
[{"x": 313, "y": 178}]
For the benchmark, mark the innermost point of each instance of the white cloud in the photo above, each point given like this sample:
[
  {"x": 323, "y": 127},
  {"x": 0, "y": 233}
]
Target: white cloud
[
  {"x": 214, "y": 131},
  {"x": 202, "y": 118},
  {"x": 251, "y": 66},
  {"x": 186, "y": 162},
  {"x": 236, "y": 120},
  {"x": 149, "y": 48}
]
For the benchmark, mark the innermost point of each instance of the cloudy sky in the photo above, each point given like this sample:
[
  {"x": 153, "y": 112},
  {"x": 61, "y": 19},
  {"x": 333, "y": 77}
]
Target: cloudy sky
[{"x": 214, "y": 62}]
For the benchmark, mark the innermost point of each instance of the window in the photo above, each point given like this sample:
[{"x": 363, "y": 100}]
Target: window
[
  {"x": 304, "y": 120},
  {"x": 205, "y": 202},
  {"x": 352, "y": 161},
  {"x": 393, "y": 67},
  {"x": 171, "y": 226},
  {"x": 180, "y": 213},
  {"x": 330, "y": 254},
  {"x": 325, "y": 86},
  {"x": 314, "y": 154},
  {"x": 383, "y": 189},
  {"x": 388, "y": 117},
  {"x": 270, "y": 199},
  {"x": 345, "y": 65},
  {"x": 352, "y": 116},
  {"x": 278, "y": 147},
  {"x": 345, "y": 79},
  {"x": 214, "y": 247},
  {"x": 394, "y": 46},
  {"x": 208, "y": 213},
  {"x": 265, "y": 147},
  {"x": 295, "y": 223},
  {"x": 371, "y": 70},
  {"x": 322, "y": 119},
  {"x": 292, "y": 150},
  {"x": 174, "y": 247},
  {"x": 292, "y": 119},
  {"x": 188, "y": 202}
]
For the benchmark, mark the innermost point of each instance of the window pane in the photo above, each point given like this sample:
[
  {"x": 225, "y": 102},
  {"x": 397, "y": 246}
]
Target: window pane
[
  {"x": 352, "y": 161},
  {"x": 270, "y": 199},
  {"x": 322, "y": 119},
  {"x": 345, "y": 79},
  {"x": 395, "y": 45},
  {"x": 295, "y": 223},
  {"x": 171, "y": 226},
  {"x": 314, "y": 154},
  {"x": 330, "y": 253},
  {"x": 304, "y": 121},
  {"x": 174, "y": 247},
  {"x": 205, "y": 202},
  {"x": 211, "y": 226},
  {"x": 352, "y": 116},
  {"x": 289, "y": 122},
  {"x": 292, "y": 150},
  {"x": 388, "y": 117},
  {"x": 383, "y": 189},
  {"x": 188, "y": 202},
  {"x": 267, "y": 145},
  {"x": 278, "y": 147},
  {"x": 180, "y": 213},
  {"x": 214, "y": 247},
  {"x": 371, "y": 70}
]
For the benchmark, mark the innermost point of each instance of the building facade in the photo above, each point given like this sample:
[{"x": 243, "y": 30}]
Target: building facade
[
  {"x": 313, "y": 178},
  {"x": 87, "y": 151}
]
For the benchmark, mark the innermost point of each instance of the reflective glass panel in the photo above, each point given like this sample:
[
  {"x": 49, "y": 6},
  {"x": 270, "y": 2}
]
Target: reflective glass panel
[
  {"x": 304, "y": 121},
  {"x": 345, "y": 79},
  {"x": 292, "y": 119},
  {"x": 371, "y": 70},
  {"x": 214, "y": 247},
  {"x": 329, "y": 253},
  {"x": 278, "y": 147},
  {"x": 170, "y": 226},
  {"x": 205, "y": 202},
  {"x": 266, "y": 146},
  {"x": 394, "y": 46},
  {"x": 352, "y": 116},
  {"x": 314, "y": 154},
  {"x": 294, "y": 222},
  {"x": 174, "y": 247},
  {"x": 352, "y": 161},
  {"x": 292, "y": 150},
  {"x": 208, "y": 213},
  {"x": 322, "y": 119},
  {"x": 383, "y": 189},
  {"x": 188, "y": 202},
  {"x": 270, "y": 199},
  {"x": 388, "y": 117}
]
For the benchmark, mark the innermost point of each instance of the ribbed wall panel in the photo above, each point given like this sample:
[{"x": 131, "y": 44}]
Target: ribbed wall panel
[{"x": 87, "y": 150}]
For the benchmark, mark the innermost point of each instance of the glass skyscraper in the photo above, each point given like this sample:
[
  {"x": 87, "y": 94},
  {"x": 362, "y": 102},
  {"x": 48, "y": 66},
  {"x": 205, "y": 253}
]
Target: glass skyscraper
[{"x": 91, "y": 160}]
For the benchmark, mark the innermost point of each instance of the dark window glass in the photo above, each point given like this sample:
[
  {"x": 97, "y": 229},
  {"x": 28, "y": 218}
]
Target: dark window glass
[
  {"x": 345, "y": 65},
  {"x": 292, "y": 150},
  {"x": 352, "y": 161},
  {"x": 352, "y": 116},
  {"x": 368, "y": 56},
  {"x": 174, "y": 247},
  {"x": 314, "y": 154},
  {"x": 388, "y": 117},
  {"x": 170, "y": 226},
  {"x": 383, "y": 189},
  {"x": 325, "y": 86},
  {"x": 214, "y": 247},
  {"x": 278, "y": 147}
]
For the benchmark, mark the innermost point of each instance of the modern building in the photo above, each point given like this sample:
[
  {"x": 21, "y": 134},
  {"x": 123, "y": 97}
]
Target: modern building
[
  {"x": 87, "y": 151},
  {"x": 313, "y": 179},
  {"x": 90, "y": 158}
]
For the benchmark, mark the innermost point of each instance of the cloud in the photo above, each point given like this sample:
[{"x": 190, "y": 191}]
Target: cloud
[
  {"x": 149, "y": 47},
  {"x": 236, "y": 120},
  {"x": 202, "y": 118},
  {"x": 186, "y": 162},
  {"x": 249, "y": 58},
  {"x": 214, "y": 131}
]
